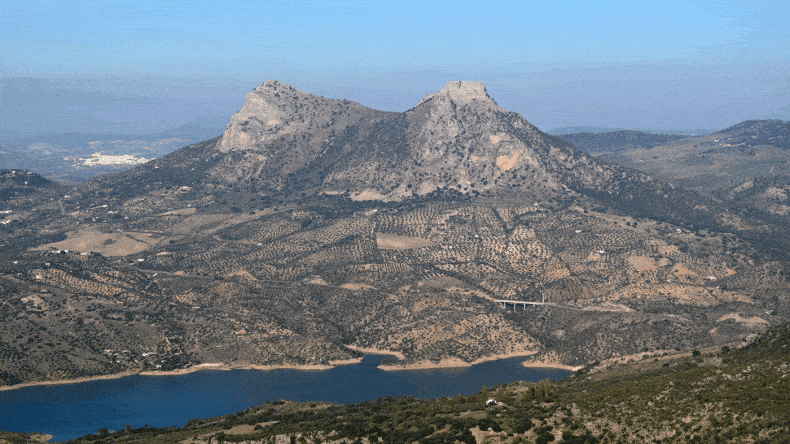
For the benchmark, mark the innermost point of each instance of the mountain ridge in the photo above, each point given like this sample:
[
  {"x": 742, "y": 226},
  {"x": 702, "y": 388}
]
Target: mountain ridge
[
  {"x": 339, "y": 226},
  {"x": 456, "y": 142},
  {"x": 427, "y": 140}
]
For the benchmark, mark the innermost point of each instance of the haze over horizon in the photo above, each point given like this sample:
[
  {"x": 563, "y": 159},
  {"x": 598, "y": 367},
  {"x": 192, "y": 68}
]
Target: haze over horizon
[{"x": 117, "y": 67}]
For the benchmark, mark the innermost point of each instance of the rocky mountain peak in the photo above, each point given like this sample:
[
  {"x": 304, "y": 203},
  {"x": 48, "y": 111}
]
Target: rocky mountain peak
[
  {"x": 286, "y": 142},
  {"x": 275, "y": 110},
  {"x": 461, "y": 92}
]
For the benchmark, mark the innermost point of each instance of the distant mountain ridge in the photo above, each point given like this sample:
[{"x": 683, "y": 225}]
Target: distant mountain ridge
[
  {"x": 618, "y": 140},
  {"x": 722, "y": 163},
  {"x": 759, "y": 132},
  {"x": 566, "y": 130},
  {"x": 745, "y": 166}
]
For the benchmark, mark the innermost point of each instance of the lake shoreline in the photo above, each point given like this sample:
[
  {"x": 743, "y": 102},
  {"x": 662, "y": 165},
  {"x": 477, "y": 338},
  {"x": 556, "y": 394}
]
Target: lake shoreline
[
  {"x": 458, "y": 363},
  {"x": 181, "y": 371},
  {"x": 452, "y": 362},
  {"x": 551, "y": 365},
  {"x": 22, "y": 385},
  {"x": 420, "y": 365},
  {"x": 68, "y": 411}
]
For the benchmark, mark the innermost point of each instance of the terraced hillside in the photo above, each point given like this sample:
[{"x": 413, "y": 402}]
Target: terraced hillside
[{"x": 308, "y": 284}]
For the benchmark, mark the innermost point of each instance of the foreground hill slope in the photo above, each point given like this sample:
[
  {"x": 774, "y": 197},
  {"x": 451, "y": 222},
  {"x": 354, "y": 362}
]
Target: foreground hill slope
[{"x": 315, "y": 228}]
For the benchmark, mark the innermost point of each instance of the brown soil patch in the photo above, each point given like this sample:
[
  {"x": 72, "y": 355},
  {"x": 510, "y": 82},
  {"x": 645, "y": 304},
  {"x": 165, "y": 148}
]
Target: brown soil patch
[
  {"x": 240, "y": 430},
  {"x": 353, "y": 286},
  {"x": 548, "y": 360},
  {"x": 108, "y": 244},
  {"x": 345, "y": 361},
  {"x": 316, "y": 280},
  {"x": 486, "y": 435},
  {"x": 754, "y": 321},
  {"x": 181, "y": 212},
  {"x": 395, "y": 242},
  {"x": 681, "y": 271},
  {"x": 370, "y": 195},
  {"x": 642, "y": 263},
  {"x": 243, "y": 273},
  {"x": 506, "y": 163}
]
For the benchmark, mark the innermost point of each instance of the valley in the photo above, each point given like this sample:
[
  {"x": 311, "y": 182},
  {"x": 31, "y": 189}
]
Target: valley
[{"x": 315, "y": 230}]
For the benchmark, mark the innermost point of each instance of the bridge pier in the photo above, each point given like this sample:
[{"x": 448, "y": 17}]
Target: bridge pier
[{"x": 506, "y": 302}]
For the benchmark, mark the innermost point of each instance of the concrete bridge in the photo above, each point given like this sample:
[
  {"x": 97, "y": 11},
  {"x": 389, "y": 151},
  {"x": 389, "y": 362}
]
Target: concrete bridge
[{"x": 506, "y": 302}]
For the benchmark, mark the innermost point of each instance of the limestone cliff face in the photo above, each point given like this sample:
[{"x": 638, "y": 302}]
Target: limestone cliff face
[
  {"x": 281, "y": 129},
  {"x": 464, "y": 141},
  {"x": 274, "y": 110}
]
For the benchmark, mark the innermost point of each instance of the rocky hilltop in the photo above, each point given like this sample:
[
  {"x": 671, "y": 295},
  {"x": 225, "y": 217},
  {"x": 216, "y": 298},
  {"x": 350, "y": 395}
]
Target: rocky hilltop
[{"x": 458, "y": 139}]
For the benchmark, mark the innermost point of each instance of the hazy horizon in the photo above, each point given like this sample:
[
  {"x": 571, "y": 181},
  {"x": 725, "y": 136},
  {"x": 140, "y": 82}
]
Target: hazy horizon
[{"x": 134, "y": 69}]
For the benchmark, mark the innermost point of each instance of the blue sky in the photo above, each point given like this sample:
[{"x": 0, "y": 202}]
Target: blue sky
[{"x": 129, "y": 66}]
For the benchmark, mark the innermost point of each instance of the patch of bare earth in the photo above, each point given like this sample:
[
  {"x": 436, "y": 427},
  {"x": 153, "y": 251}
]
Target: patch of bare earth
[
  {"x": 642, "y": 263},
  {"x": 108, "y": 244},
  {"x": 353, "y": 286},
  {"x": 395, "y": 242},
  {"x": 506, "y": 163},
  {"x": 754, "y": 321}
]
